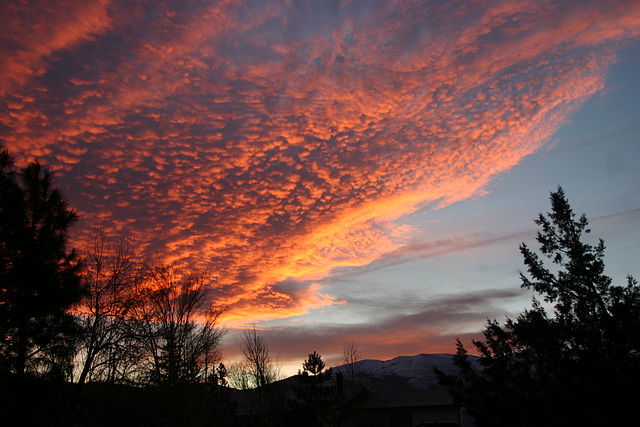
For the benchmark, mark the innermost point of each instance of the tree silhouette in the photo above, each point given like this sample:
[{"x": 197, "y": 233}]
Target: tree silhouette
[
  {"x": 39, "y": 277},
  {"x": 178, "y": 335},
  {"x": 220, "y": 376},
  {"x": 107, "y": 350},
  {"x": 575, "y": 361},
  {"x": 317, "y": 400},
  {"x": 256, "y": 373},
  {"x": 260, "y": 368},
  {"x": 356, "y": 379},
  {"x": 313, "y": 366}
]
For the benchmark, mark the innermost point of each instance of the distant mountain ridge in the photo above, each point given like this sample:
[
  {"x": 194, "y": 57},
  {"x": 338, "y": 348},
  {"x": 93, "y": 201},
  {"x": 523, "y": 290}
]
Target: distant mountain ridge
[{"x": 404, "y": 372}]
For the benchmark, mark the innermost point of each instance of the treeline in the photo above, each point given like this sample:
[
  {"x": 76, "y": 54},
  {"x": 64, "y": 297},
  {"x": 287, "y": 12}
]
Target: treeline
[
  {"x": 315, "y": 397},
  {"x": 573, "y": 358},
  {"x": 99, "y": 337},
  {"x": 97, "y": 316}
]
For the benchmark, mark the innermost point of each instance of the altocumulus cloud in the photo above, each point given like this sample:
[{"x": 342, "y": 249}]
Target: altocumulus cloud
[{"x": 274, "y": 141}]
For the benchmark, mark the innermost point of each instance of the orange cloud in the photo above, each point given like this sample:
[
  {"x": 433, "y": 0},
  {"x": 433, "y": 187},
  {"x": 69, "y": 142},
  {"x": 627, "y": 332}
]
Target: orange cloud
[
  {"x": 274, "y": 142},
  {"x": 35, "y": 30}
]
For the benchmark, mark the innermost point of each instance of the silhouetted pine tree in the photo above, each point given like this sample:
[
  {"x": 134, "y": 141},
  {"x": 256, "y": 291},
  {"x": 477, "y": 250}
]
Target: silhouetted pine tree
[
  {"x": 577, "y": 363},
  {"x": 39, "y": 277},
  {"x": 317, "y": 401}
]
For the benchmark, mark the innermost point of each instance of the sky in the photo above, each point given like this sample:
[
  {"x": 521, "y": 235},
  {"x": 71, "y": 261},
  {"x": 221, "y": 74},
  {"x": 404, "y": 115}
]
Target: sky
[{"x": 354, "y": 170}]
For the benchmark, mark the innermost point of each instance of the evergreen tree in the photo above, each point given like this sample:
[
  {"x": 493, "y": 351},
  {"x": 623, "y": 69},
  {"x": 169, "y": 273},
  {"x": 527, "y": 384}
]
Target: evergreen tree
[
  {"x": 221, "y": 375},
  {"x": 39, "y": 277},
  {"x": 314, "y": 366},
  {"x": 577, "y": 363},
  {"x": 316, "y": 398}
]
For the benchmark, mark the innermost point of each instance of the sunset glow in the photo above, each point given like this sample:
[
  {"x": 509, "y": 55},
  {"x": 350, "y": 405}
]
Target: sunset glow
[{"x": 274, "y": 144}]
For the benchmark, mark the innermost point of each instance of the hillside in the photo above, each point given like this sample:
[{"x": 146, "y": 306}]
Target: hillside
[{"x": 403, "y": 372}]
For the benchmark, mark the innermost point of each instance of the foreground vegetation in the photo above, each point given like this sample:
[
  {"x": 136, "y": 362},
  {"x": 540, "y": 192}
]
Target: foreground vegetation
[
  {"x": 100, "y": 316},
  {"x": 572, "y": 358},
  {"x": 82, "y": 333}
]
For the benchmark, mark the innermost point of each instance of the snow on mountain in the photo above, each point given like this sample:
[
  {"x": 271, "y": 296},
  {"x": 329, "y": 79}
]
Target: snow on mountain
[{"x": 404, "y": 372}]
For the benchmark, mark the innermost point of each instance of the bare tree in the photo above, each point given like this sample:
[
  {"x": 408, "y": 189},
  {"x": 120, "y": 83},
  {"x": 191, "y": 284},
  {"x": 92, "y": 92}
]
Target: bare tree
[
  {"x": 356, "y": 377},
  {"x": 111, "y": 276},
  {"x": 259, "y": 366},
  {"x": 179, "y": 336},
  {"x": 257, "y": 372}
]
